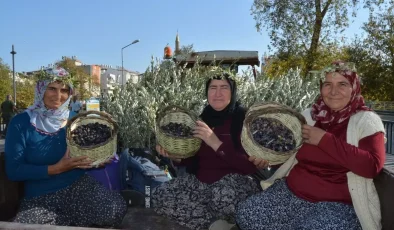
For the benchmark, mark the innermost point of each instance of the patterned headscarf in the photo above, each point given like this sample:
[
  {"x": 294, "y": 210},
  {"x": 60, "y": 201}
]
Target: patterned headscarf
[
  {"x": 46, "y": 120},
  {"x": 321, "y": 112}
]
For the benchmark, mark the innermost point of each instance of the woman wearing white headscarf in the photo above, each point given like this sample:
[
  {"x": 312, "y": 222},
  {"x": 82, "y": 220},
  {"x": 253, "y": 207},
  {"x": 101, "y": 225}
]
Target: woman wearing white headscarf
[{"x": 57, "y": 190}]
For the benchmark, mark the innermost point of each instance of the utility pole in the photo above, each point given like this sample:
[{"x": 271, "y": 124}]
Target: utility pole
[
  {"x": 135, "y": 41},
  {"x": 13, "y": 52}
]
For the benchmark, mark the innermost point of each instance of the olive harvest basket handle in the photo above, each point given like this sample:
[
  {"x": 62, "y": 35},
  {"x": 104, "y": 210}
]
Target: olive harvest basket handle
[{"x": 173, "y": 108}]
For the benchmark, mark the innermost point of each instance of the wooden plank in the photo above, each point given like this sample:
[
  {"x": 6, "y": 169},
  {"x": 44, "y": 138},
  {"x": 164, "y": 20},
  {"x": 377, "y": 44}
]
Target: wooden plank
[
  {"x": 14, "y": 226},
  {"x": 10, "y": 194},
  {"x": 142, "y": 218}
]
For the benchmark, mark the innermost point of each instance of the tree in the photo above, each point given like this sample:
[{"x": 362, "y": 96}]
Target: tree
[
  {"x": 188, "y": 49},
  {"x": 25, "y": 92},
  {"x": 24, "y": 87},
  {"x": 374, "y": 56},
  {"x": 82, "y": 81},
  {"x": 281, "y": 63},
  {"x": 299, "y": 27},
  {"x": 380, "y": 37},
  {"x": 5, "y": 80},
  {"x": 135, "y": 107}
]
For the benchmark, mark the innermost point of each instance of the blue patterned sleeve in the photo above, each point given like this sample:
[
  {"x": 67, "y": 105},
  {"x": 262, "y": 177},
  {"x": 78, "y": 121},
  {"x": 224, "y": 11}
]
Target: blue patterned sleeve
[{"x": 17, "y": 168}]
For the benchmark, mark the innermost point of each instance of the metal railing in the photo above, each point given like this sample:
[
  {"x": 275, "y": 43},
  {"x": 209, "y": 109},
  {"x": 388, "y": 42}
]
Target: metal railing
[
  {"x": 389, "y": 126},
  {"x": 2, "y": 125},
  {"x": 381, "y": 105}
]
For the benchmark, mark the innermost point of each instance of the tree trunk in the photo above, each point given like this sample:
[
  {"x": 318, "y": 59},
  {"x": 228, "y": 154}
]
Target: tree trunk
[{"x": 311, "y": 55}]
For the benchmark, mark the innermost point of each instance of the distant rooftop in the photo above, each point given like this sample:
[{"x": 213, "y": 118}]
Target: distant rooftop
[
  {"x": 223, "y": 56},
  {"x": 118, "y": 68}
]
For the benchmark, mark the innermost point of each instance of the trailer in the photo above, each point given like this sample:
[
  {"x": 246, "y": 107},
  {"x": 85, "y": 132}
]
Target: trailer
[{"x": 230, "y": 59}]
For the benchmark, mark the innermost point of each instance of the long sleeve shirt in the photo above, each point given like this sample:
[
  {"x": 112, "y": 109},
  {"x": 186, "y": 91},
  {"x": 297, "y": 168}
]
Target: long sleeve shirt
[
  {"x": 320, "y": 174},
  {"x": 28, "y": 153},
  {"x": 213, "y": 165}
]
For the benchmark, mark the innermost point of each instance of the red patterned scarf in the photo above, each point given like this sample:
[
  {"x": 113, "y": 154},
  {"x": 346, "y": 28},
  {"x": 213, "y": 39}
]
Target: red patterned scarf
[{"x": 321, "y": 112}]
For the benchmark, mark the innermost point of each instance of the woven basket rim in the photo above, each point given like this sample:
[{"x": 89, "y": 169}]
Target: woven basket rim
[
  {"x": 252, "y": 115},
  {"x": 174, "y": 144},
  {"x": 173, "y": 109},
  {"x": 84, "y": 116}
]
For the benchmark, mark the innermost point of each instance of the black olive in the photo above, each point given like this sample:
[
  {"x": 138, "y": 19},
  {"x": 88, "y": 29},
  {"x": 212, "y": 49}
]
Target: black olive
[
  {"x": 91, "y": 134},
  {"x": 177, "y": 130},
  {"x": 272, "y": 134}
]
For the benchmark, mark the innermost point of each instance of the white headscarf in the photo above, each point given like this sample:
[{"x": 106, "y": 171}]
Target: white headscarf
[{"x": 45, "y": 120}]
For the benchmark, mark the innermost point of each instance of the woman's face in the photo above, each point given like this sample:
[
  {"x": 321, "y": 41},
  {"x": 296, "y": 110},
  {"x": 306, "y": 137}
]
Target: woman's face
[
  {"x": 56, "y": 95},
  {"x": 336, "y": 91},
  {"x": 219, "y": 94}
]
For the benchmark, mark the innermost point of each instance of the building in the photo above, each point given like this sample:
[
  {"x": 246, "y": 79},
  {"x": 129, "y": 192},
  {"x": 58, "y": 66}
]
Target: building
[
  {"x": 104, "y": 77},
  {"x": 94, "y": 71},
  {"x": 74, "y": 58},
  {"x": 177, "y": 44},
  {"x": 111, "y": 77},
  {"x": 19, "y": 77}
]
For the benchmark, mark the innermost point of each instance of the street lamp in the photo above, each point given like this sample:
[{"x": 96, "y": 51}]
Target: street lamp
[
  {"x": 135, "y": 41},
  {"x": 13, "y": 52}
]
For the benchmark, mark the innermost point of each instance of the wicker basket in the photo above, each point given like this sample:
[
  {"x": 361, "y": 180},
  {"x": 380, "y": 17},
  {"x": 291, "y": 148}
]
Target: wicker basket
[
  {"x": 180, "y": 147},
  {"x": 285, "y": 115},
  {"x": 98, "y": 153}
]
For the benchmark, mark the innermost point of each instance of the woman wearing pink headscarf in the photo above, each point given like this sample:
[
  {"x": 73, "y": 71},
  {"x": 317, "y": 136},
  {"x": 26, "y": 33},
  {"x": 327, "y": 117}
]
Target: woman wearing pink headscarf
[{"x": 328, "y": 183}]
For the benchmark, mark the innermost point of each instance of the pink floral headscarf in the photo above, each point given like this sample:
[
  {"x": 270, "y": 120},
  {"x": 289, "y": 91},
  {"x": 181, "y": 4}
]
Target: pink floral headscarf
[
  {"x": 321, "y": 112},
  {"x": 49, "y": 120}
]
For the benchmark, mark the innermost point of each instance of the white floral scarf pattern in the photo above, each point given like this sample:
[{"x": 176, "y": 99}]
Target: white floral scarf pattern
[{"x": 49, "y": 121}]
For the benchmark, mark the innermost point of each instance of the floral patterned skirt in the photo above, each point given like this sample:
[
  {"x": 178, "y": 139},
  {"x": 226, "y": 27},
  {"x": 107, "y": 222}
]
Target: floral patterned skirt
[
  {"x": 278, "y": 208},
  {"x": 196, "y": 205},
  {"x": 85, "y": 203}
]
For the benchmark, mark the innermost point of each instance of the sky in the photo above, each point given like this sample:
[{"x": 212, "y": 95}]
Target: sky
[{"x": 95, "y": 30}]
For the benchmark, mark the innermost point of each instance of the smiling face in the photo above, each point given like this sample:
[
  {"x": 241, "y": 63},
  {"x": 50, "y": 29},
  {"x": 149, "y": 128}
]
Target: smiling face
[
  {"x": 56, "y": 94},
  {"x": 336, "y": 91},
  {"x": 219, "y": 94}
]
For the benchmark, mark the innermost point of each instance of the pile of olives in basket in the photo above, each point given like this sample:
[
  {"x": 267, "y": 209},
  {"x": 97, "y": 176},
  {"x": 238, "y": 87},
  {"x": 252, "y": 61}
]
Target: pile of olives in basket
[
  {"x": 91, "y": 134},
  {"x": 272, "y": 134},
  {"x": 177, "y": 130}
]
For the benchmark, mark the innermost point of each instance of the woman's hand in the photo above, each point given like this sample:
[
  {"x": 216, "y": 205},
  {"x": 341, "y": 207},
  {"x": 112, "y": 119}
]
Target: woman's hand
[
  {"x": 312, "y": 135},
  {"x": 66, "y": 164},
  {"x": 164, "y": 153},
  {"x": 206, "y": 134},
  {"x": 259, "y": 162}
]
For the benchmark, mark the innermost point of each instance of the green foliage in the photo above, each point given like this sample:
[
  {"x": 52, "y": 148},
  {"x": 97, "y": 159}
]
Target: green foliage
[
  {"x": 290, "y": 89},
  {"x": 135, "y": 106},
  {"x": 81, "y": 80},
  {"x": 298, "y": 27},
  {"x": 187, "y": 49},
  {"x": 374, "y": 56},
  {"x": 24, "y": 87},
  {"x": 280, "y": 63},
  {"x": 5, "y": 81},
  {"x": 25, "y": 92}
]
